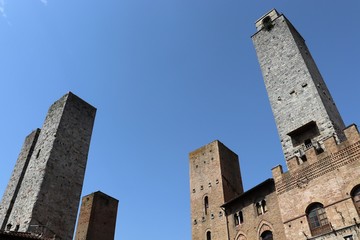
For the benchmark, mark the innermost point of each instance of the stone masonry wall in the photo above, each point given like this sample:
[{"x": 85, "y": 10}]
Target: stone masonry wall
[
  {"x": 296, "y": 90},
  {"x": 50, "y": 193},
  {"x": 16, "y": 179}
]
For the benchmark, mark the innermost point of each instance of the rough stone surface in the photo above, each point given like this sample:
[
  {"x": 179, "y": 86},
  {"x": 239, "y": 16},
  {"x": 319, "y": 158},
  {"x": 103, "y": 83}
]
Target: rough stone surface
[
  {"x": 296, "y": 90},
  {"x": 49, "y": 195},
  {"x": 17, "y": 177},
  {"x": 97, "y": 217}
]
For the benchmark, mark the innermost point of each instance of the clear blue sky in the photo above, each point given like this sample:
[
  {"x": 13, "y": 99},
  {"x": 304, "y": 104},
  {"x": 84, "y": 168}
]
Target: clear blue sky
[{"x": 167, "y": 77}]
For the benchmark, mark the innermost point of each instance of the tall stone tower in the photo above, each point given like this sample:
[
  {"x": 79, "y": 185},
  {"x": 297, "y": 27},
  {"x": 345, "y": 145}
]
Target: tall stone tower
[
  {"x": 304, "y": 110},
  {"x": 214, "y": 179},
  {"x": 97, "y": 217},
  {"x": 44, "y": 191}
]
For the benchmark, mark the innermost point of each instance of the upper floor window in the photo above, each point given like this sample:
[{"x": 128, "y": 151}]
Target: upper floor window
[
  {"x": 206, "y": 204},
  {"x": 355, "y": 194},
  {"x": 261, "y": 207},
  {"x": 317, "y": 219},
  {"x": 238, "y": 218}
]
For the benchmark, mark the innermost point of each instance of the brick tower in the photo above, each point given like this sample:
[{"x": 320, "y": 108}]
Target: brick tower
[
  {"x": 304, "y": 110},
  {"x": 44, "y": 190},
  {"x": 97, "y": 217},
  {"x": 214, "y": 179}
]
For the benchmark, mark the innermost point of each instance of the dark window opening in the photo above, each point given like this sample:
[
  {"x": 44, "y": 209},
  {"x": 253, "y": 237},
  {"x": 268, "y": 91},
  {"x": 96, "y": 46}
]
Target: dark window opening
[
  {"x": 38, "y": 154},
  {"x": 17, "y": 228},
  {"x": 208, "y": 235},
  {"x": 241, "y": 217},
  {"x": 308, "y": 143},
  {"x": 236, "y": 219},
  {"x": 261, "y": 207},
  {"x": 267, "y": 235},
  {"x": 304, "y": 134},
  {"x": 267, "y": 23},
  {"x": 317, "y": 219},
  {"x": 258, "y": 208},
  {"x": 356, "y": 198},
  {"x": 206, "y": 205},
  {"x": 303, "y": 159}
]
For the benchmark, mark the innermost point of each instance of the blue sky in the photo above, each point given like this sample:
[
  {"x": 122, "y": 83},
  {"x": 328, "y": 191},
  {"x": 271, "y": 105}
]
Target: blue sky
[{"x": 167, "y": 77}]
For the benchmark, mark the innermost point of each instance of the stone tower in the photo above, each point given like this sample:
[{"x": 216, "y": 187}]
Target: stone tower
[
  {"x": 97, "y": 217},
  {"x": 44, "y": 191},
  {"x": 304, "y": 110},
  {"x": 214, "y": 179}
]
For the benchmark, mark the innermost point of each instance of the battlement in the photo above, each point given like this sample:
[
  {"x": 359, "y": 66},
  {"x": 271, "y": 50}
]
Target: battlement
[{"x": 314, "y": 163}]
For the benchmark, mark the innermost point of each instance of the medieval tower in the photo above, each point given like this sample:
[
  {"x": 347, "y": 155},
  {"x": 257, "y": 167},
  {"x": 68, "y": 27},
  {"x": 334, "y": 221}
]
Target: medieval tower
[
  {"x": 318, "y": 198},
  {"x": 303, "y": 108},
  {"x": 214, "y": 179},
  {"x": 43, "y": 193},
  {"x": 97, "y": 217}
]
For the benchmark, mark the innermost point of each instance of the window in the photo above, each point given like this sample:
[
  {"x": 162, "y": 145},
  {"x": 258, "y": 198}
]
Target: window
[
  {"x": 350, "y": 237},
  {"x": 317, "y": 219},
  {"x": 261, "y": 207},
  {"x": 206, "y": 205},
  {"x": 267, "y": 23},
  {"x": 355, "y": 194},
  {"x": 208, "y": 235},
  {"x": 238, "y": 218},
  {"x": 267, "y": 235}
]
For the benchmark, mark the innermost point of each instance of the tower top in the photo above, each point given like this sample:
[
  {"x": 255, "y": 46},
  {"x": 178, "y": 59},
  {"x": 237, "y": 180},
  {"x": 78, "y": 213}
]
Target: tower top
[{"x": 266, "y": 18}]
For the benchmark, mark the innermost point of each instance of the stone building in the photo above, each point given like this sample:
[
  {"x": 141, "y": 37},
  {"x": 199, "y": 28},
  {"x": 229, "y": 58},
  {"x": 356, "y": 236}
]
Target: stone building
[
  {"x": 97, "y": 217},
  {"x": 319, "y": 196},
  {"x": 43, "y": 193}
]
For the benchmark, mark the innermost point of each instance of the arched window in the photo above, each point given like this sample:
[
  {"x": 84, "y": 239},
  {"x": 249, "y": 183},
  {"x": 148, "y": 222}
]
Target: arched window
[
  {"x": 355, "y": 194},
  {"x": 317, "y": 219},
  {"x": 206, "y": 205},
  {"x": 208, "y": 235},
  {"x": 267, "y": 235}
]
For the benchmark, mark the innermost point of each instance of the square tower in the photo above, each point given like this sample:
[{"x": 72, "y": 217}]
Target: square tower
[
  {"x": 97, "y": 217},
  {"x": 47, "y": 192},
  {"x": 304, "y": 110},
  {"x": 214, "y": 179}
]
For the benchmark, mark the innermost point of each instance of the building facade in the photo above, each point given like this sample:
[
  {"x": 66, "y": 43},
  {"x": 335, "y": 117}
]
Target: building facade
[
  {"x": 319, "y": 196},
  {"x": 43, "y": 193}
]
